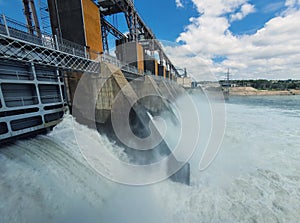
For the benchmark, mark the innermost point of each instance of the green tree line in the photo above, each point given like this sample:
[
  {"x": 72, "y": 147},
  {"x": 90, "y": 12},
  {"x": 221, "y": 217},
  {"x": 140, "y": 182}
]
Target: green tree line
[{"x": 263, "y": 84}]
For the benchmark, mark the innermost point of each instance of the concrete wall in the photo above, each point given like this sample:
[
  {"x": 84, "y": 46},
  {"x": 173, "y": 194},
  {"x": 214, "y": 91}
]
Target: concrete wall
[
  {"x": 185, "y": 82},
  {"x": 139, "y": 120},
  {"x": 114, "y": 84},
  {"x": 179, "y": 81}
]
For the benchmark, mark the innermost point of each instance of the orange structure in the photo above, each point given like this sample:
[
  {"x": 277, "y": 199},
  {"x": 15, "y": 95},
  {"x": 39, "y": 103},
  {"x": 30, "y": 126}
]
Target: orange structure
[
  {"x": 91, "y": 17},
  {"x": 77, "y": 21}
]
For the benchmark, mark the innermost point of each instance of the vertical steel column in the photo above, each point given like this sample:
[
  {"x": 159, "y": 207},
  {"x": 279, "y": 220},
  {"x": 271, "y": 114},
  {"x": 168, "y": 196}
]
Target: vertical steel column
[
  {"x": 135, "y": 30},
  {"x": 28, "y": 16},
  {"x": 67, "y": 90},
  {"x": 3, "y": 105},
  {"x": 86, "y": 54},
  {"x": 161, "y": 57},
  {"x": 5, "y": 24},
  {"x": 104, "y": 37},
  {"x": 36, "y": 83},
  {"x": 59, "y": 84},
  {"x": 131, "y": 23},
  {"x": 35, "y": 18},
  {"x": 56, "y": 42},
  {"x": 37, "y": 90}
]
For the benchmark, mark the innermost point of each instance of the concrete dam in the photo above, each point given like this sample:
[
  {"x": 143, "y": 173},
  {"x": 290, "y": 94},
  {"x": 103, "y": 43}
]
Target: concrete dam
[{"x": 44, "y": 75}]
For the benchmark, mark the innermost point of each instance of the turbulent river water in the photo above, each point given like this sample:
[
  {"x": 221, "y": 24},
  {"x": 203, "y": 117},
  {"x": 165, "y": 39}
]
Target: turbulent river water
[{"x": 255, "y": 177}]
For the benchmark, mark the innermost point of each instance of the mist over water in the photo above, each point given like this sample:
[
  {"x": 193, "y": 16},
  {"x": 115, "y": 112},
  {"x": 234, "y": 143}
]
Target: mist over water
[{"x": 255, "y": 177}]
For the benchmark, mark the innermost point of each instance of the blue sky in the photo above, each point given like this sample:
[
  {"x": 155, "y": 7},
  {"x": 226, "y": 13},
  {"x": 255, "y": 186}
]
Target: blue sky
[
  {"x": 164, "y": 18},
  {"x": 265, "y": 10},
  {"x": 254, "y": 38},
  {"x": 168, "y": 21},
  {"x": 12, "y": 8}
]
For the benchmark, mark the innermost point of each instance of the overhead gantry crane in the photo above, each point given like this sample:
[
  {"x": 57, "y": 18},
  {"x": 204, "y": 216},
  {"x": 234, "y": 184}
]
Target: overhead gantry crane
[
  {"x": 138, "y": 30},
  {"x": 85, "y": 23}
]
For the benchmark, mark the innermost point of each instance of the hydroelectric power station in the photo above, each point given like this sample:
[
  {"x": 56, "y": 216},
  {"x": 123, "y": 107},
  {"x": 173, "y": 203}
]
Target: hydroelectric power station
[{"x": 44, "y": 62}]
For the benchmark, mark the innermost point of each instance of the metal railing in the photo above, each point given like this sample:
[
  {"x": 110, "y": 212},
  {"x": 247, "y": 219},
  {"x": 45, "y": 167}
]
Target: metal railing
[
  {"x": 72, "y": 48},
  {"x": 15, "y": 29},
  {"x": 47, "y": 50},
  {"x": 123, "y": 66}
]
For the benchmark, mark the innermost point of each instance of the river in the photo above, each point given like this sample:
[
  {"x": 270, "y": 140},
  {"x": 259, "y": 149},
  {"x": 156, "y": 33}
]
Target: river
[{"x": 254, "y": 178}]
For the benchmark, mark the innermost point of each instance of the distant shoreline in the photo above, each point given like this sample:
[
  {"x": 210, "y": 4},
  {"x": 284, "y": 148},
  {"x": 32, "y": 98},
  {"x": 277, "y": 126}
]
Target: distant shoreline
[{"x": 250, "y": 91}]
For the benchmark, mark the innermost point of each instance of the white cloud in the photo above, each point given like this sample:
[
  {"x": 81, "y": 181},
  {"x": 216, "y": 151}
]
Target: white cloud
[
  {"x": 292, "y": 3},
  {"x": 272, "y": 52},
  {"x": 179, "y": 4},
  {"x": 246, "y": 9},
  {"x": 218, "y": 7},
  {"x": 273, "y": 7},
  {"x": 292, "y": 6}
]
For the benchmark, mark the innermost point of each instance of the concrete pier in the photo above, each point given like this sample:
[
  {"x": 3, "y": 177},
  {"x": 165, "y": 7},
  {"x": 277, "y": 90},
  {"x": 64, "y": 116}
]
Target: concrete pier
[
  {"x": 122, "y": 111},
  {"x": 42, "y": 74}
]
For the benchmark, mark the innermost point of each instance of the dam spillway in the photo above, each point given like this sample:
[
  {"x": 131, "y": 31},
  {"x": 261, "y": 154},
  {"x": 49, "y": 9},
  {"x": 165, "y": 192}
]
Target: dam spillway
[{"x": 40, "y": 72}]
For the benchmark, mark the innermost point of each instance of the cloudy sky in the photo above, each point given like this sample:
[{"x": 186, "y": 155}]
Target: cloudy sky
[{"x": 253, "y": 38}]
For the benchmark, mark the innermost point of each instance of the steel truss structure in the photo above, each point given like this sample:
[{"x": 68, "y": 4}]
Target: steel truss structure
[
  {"x": 15, "y": 49},
  {"x": 17, "y": 44},
  {"x": 138, "y": 30}
]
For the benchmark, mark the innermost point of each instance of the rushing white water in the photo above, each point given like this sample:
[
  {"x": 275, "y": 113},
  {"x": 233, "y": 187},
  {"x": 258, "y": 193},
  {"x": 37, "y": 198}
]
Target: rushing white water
[{"x": 255, "y": 177}]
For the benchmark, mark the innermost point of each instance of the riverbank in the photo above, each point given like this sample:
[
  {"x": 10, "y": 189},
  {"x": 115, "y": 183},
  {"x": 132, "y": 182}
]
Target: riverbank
[{"x": 250, "y": 91}]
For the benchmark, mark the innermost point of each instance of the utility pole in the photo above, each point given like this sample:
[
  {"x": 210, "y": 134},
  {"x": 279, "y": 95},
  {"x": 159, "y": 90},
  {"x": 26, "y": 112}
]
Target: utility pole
[
  {"x": 227, "y": 86},
  {"x": 228, "y": 80}
]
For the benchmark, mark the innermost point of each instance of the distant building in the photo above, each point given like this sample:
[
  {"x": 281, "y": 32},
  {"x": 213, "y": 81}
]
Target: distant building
[{"x": 185, "y": 82}]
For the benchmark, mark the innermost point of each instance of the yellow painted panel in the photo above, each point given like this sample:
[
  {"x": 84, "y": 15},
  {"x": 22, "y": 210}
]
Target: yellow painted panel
[
  {"x": 140, "y": 58},
  {"x": 156, "y": 68},
  {"x": 91, "y": 15}
]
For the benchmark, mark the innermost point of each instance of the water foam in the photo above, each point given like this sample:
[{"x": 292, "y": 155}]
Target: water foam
[{"x": 255, "y": 177}]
